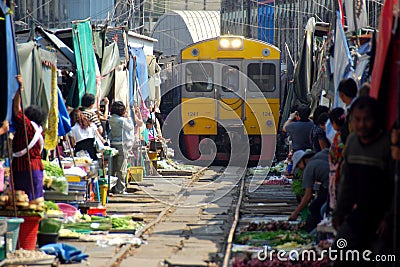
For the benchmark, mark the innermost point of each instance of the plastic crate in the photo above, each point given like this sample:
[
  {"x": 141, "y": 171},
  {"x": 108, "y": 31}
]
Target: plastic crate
[{"x": 135, "y": 174}]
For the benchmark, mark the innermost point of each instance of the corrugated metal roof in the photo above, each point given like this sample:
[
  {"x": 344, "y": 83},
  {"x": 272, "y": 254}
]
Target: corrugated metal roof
[{"x": 177, "y": 29}]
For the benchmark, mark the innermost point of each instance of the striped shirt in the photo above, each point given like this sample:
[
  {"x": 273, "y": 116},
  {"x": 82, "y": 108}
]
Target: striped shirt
[
  {"x": 92, "y": 116},
  {"x": 19, "y": 143}
]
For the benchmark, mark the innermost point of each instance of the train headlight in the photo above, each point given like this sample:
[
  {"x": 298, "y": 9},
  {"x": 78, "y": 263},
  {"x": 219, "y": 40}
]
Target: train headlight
[
  {"x": 191, "y": 123},
  {"x": 231, "y": 43},
  {"x": 237, "y": 43},
  {"x": 269, "y": 123},
  {"x": 224, "y": 44}
]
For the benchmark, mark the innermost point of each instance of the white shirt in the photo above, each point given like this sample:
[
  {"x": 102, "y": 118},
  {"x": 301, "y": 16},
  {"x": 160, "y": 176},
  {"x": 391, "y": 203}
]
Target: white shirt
[{"x": 80, "y": 134}]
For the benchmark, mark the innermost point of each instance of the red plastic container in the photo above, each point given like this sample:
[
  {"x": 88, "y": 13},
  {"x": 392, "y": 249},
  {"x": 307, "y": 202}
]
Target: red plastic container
[
  {"x": 28, "y": 232},
  {"x": 97, "y": 211}
]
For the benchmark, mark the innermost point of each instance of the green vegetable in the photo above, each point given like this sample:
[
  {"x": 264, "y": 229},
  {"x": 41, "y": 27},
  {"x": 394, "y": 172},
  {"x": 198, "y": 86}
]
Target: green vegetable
[
  {"x": 297, "y": 187},
  {"x": 273, "y": 238},
  {"x": 91, "y": 226},
  {"x": 52, "y": 169},
  {"x": 50, "y": 205}
]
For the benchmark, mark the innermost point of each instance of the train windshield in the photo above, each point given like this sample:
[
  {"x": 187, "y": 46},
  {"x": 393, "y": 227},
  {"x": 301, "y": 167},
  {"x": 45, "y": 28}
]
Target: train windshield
[
  {"x": 199, "y": 77},
  {"x": 263, "y": 75},
  {"x": 230, "y": 78}
]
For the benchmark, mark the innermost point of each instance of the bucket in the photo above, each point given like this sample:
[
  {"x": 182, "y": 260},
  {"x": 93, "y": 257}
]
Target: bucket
[
  {"x": 46, "y": 238},
  {"x": 103, "y": 194},
  {"x": 13, "y": 225},
  {"x": 28, "y": 232},
  {"x": 135, "y": 174}
]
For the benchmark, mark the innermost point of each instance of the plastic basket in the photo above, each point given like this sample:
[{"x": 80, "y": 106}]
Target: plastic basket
[
  {"x": 13, "y": 225},
  {"x": 97, "y": 211},
  {"x": 28, "y": 232},
  {"x": 68, "y": 210},
  {"x": 135, "y": 174}
]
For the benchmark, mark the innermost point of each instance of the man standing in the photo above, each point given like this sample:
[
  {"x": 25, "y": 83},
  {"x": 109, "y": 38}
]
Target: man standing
[
  {"x": 365, "y": 189},
  {"x": 298, "y": 126},
  {"x": 316, "y": 169}
]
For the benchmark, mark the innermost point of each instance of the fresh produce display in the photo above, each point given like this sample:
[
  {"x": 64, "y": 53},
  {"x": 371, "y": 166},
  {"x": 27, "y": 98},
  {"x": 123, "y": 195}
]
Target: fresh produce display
[
  {"x": 125, "y": 223},
  {"x": 277, "y": 180},
  {"x": 273, "y": 238},
  {"x": 89, "y": 226},
  {"x": 52, "y": 169},
  {"x": 57, "y": 183},
  {"x": 99, "y": 223},
  {"x": 50, "y": 205},
  {"x": 275, "y": 262},
  {"x": 272, "y": 226},
  {"x": 258, "y": 170},
  {"x": 278, "y": 168},
  {"x": 21, "y": 200}
]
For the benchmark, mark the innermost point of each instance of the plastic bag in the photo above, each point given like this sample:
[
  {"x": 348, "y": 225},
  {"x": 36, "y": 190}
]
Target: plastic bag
[{"x": 57, "y": 183}]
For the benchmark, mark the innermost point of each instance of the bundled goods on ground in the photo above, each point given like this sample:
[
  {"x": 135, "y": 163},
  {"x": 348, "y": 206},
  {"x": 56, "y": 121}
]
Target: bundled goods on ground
[
  {"x": 99, "y": 223},
  {"x": 277, "y": 180},
  {"x": 276, "y": 262},
  {"x": 274, "y": 238},
  {"x": 272, "y": 226}
]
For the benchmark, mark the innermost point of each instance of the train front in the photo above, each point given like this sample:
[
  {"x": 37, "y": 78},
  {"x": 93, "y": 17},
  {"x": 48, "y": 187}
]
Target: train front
[{"x": 230, "y": 100}]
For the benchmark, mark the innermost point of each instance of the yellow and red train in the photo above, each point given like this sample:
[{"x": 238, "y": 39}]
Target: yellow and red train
[{"x": 230, "y": 91}]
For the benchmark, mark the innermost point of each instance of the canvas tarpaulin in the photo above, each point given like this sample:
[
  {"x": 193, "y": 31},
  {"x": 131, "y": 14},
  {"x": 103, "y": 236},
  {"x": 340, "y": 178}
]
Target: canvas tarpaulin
[
  {"x": 342, "y": 60},
  {"x": 385, "y": 78},
  {"x": 8, "y": 66},
  {"x": 49, "y": 75},
  {"x": 154, "y": 80},
  {"x": 141, "y": 72},
  {"x": 31, "y": 71},
  {"x": 304, "y": 69},
  {"x": 110, "y": 61},
  {"x": 64, "y": 123},
  {"x": 85, "y": 59},
  {"x": 121, "y": 85}
]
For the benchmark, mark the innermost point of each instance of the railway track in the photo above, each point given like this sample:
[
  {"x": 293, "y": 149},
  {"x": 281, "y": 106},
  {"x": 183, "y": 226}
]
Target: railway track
[
  {"x": 191, "y": 219},
  {"x": 266, "y": 203},
  {"x": 193, "y": 226}
]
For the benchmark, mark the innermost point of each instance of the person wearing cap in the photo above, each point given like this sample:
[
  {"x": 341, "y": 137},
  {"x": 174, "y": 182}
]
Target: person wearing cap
[{"x": 315, "y": 169}]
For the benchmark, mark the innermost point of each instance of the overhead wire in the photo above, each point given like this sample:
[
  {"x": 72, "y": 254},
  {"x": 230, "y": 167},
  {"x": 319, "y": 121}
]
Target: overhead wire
[{"x": 35, "y": 10}]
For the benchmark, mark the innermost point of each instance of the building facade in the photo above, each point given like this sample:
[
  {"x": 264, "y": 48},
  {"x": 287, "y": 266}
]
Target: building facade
[
  {"x": 282, "y": 22},
  {"x": 54, "y": 14}
]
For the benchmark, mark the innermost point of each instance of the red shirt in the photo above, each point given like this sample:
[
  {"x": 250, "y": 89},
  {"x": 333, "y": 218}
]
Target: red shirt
[{"x": 19, "y": 143}]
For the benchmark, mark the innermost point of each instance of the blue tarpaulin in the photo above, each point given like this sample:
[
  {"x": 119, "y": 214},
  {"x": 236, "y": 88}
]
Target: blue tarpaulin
[
  {"x": 141, "y": 72},
  {"x": 8, "y": 82},
  {"x": 64, "y": 123}
]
